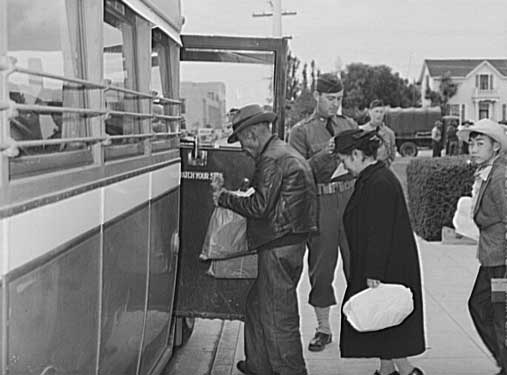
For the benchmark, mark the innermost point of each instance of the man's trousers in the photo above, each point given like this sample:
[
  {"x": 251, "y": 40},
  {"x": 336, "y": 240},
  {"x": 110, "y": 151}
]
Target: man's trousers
[
  {"x": 272, "y": 336},
  {"x": 488, "y": 317},
  {"x": 323, "y": 248}
]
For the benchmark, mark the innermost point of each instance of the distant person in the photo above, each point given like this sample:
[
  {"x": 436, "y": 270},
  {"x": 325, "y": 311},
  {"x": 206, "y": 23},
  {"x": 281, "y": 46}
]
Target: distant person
[
  {"x": 436, "y": 139},
  {"x": 387, "y": 150},
  {"x": 487, "y": 140},
  {"x": 382, "y": 250},
  {"x": 311, "y": 137},
  {"x": 281, "y": 214},
  {"x": 451, "y": 141},
  {"x": 463, "y": 144}
]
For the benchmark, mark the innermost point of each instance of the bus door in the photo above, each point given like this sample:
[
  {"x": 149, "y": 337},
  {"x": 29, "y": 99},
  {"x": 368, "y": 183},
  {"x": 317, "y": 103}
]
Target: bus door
[{"x": 219, "y": 75}]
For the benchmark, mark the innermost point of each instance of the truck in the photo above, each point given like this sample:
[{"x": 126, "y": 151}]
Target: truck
[{"x": 412, "y": 127}]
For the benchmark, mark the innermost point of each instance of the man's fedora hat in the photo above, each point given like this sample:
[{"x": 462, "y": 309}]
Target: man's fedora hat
[
  {"x": 249, "y": 115},
  {"x": 487, "y": 127}
]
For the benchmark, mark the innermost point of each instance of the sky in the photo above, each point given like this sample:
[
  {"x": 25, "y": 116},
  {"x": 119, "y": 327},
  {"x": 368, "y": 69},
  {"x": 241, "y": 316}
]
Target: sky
[{"x": 397, "y": 33}]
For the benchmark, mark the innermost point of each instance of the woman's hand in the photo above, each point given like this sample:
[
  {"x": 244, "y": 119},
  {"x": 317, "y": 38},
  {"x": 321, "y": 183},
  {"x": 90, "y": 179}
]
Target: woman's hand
[{"x": 372, "y": 283}]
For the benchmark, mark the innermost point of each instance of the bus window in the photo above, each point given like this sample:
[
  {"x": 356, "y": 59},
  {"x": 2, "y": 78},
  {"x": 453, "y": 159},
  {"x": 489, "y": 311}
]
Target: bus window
[
  {"x": 121, "y": 35},
  {"x": 46, "y": 41},
  {"x": 165, "y": 83},
  {"x": 215, "y": 81}
]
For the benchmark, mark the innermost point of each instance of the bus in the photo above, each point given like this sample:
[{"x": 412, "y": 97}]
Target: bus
[{"x": 102, "y": 208}]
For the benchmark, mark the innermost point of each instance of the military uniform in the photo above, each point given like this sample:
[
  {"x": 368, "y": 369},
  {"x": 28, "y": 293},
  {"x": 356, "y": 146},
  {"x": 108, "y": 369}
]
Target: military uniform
[
  {"x": 387, "y": 151},
  {"x": 311, "y": 138}
]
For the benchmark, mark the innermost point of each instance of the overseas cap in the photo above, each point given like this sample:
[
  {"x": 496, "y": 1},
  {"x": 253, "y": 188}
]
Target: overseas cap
[
  {"x": 376, "y": 103},
  {"x": 329, "y": 83}
]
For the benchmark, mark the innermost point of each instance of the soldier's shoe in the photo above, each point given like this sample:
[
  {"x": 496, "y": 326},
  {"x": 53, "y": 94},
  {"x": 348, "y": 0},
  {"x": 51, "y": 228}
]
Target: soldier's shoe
[{"x": 319, "y": 341}]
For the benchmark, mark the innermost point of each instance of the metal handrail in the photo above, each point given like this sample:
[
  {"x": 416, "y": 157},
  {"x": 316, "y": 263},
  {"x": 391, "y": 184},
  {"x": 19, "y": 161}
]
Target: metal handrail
[
  {"x": 169, "y": 101},
  {"x": 52, "y": 109},
  {"x": 131, "y": 136},
  {"x": 48, "y": 142},
  {"x": 130, "y": 114},
  {"x": 89, "y": 84},
  {"x": 166, "y": 134},
  {"x": 129, "y": 91},
  {"x": 166, "y": 117}
]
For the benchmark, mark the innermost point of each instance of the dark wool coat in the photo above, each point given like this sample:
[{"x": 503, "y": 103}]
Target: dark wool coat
[{"x": 382, "y": 247}]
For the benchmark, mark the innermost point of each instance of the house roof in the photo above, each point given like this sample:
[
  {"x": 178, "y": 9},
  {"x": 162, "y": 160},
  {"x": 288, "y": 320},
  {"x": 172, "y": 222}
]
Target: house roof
[{"x": 462, "y": 67}]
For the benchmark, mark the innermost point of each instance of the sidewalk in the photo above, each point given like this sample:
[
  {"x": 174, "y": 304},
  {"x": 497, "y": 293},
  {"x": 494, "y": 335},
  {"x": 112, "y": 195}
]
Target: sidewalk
[{"x": 453, "y": 346}]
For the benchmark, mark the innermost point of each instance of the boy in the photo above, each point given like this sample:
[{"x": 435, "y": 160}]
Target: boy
[{"x": 487, "y": 144}]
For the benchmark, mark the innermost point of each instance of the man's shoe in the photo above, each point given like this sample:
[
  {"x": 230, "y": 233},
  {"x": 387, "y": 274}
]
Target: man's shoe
[
  {"x": 416, "y": 371},
  {"x": 319, "y": 341},
  {"x": 377, "y": 372},
  {"x": 241, "y": 366}
]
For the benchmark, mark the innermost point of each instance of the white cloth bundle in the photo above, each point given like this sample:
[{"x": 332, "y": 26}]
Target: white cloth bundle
[
  {"x": 374, "y": 309},
  {"x": 462, "y": 220}
]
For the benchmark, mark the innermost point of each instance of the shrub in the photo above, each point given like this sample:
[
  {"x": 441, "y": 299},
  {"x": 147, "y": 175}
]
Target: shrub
[{"x": 434, "y": 187}]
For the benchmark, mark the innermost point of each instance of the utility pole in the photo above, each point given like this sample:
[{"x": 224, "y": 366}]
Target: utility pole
[{"x": 276, "y": 13}]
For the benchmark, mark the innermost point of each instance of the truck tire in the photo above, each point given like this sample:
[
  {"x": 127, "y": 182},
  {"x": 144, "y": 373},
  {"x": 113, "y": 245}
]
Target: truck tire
[{"x": 408, "y": 149}]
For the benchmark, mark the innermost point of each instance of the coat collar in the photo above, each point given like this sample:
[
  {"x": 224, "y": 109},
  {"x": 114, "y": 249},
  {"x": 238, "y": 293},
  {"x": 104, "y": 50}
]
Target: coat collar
[
  {"x": 496, "y": 163},
  {"x": 369, "y": 171},
  {"x": 363, "y": 177},
  {"x": 273, "y": 138},
  {"x": 322, "y": 119}
]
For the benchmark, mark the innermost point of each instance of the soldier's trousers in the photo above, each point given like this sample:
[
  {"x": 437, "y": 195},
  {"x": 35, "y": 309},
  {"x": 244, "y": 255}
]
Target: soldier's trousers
[
  {"x": 272, "y": 336},
  {"x": 323, "y": 248}
]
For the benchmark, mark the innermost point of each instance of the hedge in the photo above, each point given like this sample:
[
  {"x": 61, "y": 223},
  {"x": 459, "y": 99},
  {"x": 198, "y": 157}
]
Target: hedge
[{"x": 434, "y": 186}]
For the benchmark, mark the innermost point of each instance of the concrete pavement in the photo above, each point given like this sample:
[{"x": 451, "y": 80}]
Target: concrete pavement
[{"x": 453, "y": 346}]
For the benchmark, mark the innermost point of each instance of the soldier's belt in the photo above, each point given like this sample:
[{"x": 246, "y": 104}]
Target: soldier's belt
[{"x": 333, "y": 187}]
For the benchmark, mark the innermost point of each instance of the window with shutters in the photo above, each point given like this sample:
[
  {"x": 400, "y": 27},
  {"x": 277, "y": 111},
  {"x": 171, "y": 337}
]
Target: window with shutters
[{"x": 484, "y": 82}]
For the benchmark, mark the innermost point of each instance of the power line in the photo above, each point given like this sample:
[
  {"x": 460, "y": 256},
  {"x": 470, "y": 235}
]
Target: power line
[{"x": 277, "y": 14}]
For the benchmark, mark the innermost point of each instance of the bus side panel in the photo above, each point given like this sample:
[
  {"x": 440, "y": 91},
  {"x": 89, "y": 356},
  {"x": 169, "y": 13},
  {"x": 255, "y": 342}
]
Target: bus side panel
[
  {"x": 198, "y": 293},
  {"x": 124, "y": 291},
  {"x": 53, "y": 314},
  {"x": 163, "y": 262}
]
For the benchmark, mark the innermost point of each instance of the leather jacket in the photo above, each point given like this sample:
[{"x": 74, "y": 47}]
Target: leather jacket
[{"x": 285, "y": 197}]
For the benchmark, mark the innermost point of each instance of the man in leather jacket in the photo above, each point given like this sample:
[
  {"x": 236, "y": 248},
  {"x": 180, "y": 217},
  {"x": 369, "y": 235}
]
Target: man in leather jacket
[{"x": 281, "y": 214}]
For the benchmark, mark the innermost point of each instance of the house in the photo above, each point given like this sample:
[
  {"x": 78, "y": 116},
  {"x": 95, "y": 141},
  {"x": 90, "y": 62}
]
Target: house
[{"x": 481, "y": 91}]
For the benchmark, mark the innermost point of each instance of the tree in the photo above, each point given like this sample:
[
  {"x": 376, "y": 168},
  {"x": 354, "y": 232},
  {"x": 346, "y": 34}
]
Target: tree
[
  {"x": 293, "y": 84},
  {"x": 304, "y": 73},
  {"x": 446, "y": 90},
  {"x": 312, "y": 86},
  {"x": 363, "y": 83}
]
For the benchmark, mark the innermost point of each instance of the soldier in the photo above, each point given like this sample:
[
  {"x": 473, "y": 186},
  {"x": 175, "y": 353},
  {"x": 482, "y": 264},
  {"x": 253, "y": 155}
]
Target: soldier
[
  {"x": 387, "y": 151},
  {"x": 312, "y": 137}
]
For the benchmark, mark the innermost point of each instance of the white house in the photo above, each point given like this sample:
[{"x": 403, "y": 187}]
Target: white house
[{"x": 482, "y": 86}]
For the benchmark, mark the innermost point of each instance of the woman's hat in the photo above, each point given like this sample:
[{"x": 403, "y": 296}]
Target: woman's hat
[
  {"x": 350, "y": 139},
  {"x": 247, "y": 116},
  {"x": 487, "y": 127}
]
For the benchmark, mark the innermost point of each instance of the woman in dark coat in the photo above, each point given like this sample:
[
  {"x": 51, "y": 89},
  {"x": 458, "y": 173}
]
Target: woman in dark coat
[{"x": 383, "y": 250}]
